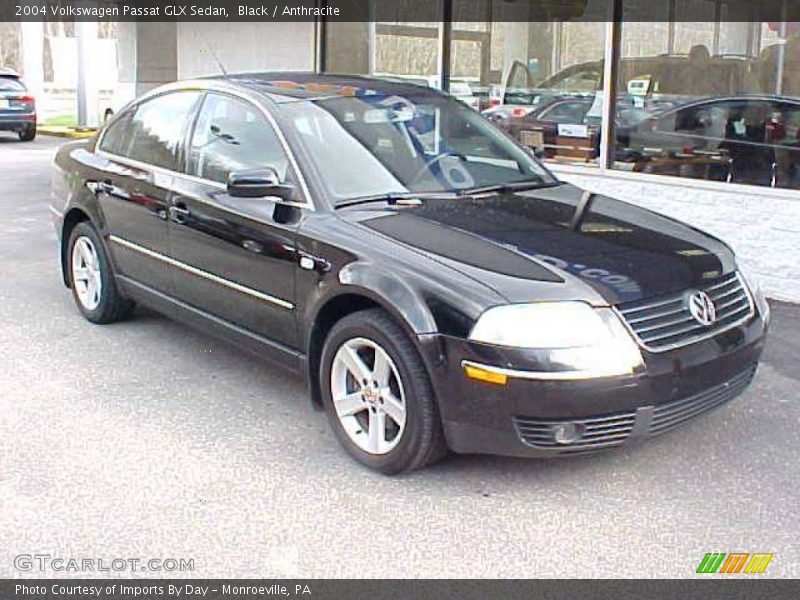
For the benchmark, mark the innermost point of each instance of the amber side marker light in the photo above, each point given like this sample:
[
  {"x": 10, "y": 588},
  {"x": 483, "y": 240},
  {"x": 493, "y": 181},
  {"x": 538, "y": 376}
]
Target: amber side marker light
[{"x": 474, "y": 372}]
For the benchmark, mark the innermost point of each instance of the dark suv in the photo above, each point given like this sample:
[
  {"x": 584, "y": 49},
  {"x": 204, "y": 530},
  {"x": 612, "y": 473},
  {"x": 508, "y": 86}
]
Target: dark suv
[
  {"x": 17, "y": 107},
  {"x": 438, "y": 287}
]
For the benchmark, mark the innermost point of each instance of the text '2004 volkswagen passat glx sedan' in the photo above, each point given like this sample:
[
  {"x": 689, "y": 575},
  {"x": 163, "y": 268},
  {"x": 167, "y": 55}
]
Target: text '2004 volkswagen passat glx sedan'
[{"x": 437, "y": 286}]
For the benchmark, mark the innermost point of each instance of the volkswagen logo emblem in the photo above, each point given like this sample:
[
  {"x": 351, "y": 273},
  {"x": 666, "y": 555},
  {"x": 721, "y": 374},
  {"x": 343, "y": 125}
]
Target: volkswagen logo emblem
[{"x": 702, "y": 308}]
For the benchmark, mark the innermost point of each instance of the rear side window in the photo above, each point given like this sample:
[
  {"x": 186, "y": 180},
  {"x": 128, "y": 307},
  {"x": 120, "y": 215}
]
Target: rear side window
[
  {"x": 232, "y": 135},
  {"x": 11, "y": 84},
  {"x": 157, "y": 127}
]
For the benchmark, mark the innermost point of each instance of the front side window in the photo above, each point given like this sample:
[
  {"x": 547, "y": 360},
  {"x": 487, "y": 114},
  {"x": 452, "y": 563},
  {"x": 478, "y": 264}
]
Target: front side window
[
  {"x": 232, "y": 135},
  {"x": 417, "y": 142},
  {"x": 157, "y": 127}
]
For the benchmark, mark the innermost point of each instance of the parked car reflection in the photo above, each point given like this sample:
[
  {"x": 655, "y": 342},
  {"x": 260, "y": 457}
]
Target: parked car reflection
[
  {"x": 752, "y": 139},
  {"x": 565, "y": 126}
]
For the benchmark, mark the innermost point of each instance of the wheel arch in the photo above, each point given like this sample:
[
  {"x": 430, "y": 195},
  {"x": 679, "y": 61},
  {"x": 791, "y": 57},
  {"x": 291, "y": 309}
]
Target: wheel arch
[
  {"x": 341, "y": 304},
  {"x": 72, "y": 218}
]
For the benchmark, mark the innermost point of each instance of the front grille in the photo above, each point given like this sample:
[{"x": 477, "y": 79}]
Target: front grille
[
  {"x": 665, "y": 323},
  {"x": 668, "y": 416},
  {"x": 598, "y": 432}
]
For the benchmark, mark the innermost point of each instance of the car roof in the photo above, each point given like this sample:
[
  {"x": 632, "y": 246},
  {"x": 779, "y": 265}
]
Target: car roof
[
  {"x": 8, "y": 73},
  {"x": 285, "y": 86}
]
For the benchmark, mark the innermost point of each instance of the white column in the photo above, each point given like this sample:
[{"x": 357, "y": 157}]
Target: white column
[
  {"x": 32, "y": 53},
  {"x": 86, "y": 32}
]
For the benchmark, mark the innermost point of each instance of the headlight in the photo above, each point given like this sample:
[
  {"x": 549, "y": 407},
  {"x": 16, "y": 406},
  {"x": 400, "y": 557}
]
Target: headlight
[
  {"x": 543, "y": 325},
  {"x": 755, "y": 290},
  {"x": 567, "y": 339}
]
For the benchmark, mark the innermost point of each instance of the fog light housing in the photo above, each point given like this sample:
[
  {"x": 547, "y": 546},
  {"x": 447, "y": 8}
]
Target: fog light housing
[{"x": 567, "y": 433}]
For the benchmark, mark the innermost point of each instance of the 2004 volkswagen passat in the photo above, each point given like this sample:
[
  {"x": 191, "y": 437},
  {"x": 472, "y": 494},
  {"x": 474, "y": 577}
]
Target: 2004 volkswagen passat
[{"x": 438, "y": 287}]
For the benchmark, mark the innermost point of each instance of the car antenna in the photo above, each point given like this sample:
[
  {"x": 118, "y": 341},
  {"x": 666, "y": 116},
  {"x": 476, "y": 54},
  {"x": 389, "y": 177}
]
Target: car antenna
[{"x": 213, "y": 54}]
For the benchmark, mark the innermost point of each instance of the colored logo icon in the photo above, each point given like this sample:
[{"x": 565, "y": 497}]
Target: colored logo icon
[{"x": 735, "y": 562}]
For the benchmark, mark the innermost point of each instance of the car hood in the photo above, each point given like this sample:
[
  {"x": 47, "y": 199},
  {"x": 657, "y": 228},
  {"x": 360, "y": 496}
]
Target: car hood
[{"x": 557, "y": 234}]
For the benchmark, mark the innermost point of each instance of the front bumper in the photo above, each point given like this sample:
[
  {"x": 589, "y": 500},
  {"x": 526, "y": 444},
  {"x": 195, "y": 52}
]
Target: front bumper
[{"x": 521, "y": 417}]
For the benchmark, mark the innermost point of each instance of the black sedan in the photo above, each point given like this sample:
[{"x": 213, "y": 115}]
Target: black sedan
[
  {"x": 17, "y": 107},
  {"x": 438, "y": 287}
]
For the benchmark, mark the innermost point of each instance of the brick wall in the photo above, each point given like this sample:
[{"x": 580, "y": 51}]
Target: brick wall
[{"x": 763, "y": 229}]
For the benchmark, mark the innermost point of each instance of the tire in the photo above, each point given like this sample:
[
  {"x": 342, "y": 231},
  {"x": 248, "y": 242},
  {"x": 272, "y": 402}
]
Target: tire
[
  {"x": 415, "y": 443},
  {"x": 88, "y": 262},
  {"x": 28, "y": 134}
]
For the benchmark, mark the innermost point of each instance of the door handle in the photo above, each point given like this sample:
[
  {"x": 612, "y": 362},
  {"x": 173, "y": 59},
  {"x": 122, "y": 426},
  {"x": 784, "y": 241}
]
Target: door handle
[
  {"x": 310, "y": 262},
  {"x": 179, "y": 213},
  {"x": 105, "y": 187}
]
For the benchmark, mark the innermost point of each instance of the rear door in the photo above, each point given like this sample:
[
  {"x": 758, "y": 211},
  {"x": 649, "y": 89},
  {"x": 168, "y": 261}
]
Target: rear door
[
  {"x": 237, "y": 255},
  {"x": 137, "y": 159}
]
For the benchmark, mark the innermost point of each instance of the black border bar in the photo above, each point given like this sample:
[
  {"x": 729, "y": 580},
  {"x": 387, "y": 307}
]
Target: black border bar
[
  {"x": 705, "y": 587},
  {"x": 392, "y": 10}
]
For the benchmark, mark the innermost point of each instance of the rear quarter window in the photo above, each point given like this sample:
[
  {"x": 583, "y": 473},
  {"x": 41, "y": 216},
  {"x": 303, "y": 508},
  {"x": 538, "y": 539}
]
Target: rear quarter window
[{"x": 116, "y": 137}]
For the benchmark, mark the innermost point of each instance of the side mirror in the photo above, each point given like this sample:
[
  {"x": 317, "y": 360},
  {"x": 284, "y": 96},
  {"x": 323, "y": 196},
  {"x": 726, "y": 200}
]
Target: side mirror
[{"x": 258, "y": 183}]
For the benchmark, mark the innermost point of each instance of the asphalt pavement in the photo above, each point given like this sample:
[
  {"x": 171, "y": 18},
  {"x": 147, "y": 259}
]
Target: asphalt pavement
[{"x": 146, "y": 439}]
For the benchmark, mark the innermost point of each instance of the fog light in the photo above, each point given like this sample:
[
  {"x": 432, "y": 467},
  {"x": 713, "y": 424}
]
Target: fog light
[{"x": 567, "y": 433}]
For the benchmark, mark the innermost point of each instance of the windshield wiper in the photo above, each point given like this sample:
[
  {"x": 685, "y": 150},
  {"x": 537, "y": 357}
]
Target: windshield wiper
[
  {"x": 512, "y": 186},
  {"x": 398, "y": 198}
]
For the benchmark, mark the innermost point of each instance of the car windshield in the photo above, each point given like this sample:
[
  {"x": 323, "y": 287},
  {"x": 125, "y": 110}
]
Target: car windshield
[
  {"x": 11, "y": 84},
  {"x": 415, "y": 143}
]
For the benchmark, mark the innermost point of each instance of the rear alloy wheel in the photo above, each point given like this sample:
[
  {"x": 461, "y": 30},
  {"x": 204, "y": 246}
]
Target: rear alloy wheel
[
  {"x": 86, "y": 273},
  {"x": 27, "y": 134},
  {"x": 91, "y": 279},
  {"x": 378, "y": 396}
]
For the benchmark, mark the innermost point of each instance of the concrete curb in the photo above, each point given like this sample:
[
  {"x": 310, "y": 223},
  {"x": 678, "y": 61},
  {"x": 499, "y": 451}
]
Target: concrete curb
[{"x": 66, "y": 132}]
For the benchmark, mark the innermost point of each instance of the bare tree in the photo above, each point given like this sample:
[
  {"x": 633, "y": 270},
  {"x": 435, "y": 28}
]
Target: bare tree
[{"x": 10, "y": 44}]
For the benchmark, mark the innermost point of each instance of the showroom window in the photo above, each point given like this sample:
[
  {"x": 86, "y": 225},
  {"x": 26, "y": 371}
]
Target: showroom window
[
  {"x": 700, "y": 89},
  {"x": 719, "y": 105},
  {"x": 388, "y": 48},
  {"x": 539, "y": 81}
]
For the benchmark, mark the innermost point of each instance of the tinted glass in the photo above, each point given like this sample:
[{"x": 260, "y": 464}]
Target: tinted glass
[
  {"x": 157, "y": 128},
  {"x": 11, "y": 84},
  {"x": 117, "y": 135},
  {"x": 232, "y": 135}
]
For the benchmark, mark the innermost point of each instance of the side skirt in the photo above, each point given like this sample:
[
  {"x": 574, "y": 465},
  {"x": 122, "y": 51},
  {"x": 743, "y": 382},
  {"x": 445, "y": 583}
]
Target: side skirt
[{"x": 262, "y": 347}]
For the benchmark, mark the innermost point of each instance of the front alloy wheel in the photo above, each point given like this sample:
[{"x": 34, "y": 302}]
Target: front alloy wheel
[
  {"x": 368, "y": 396},
  {"x": 378, "y": 396}
]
